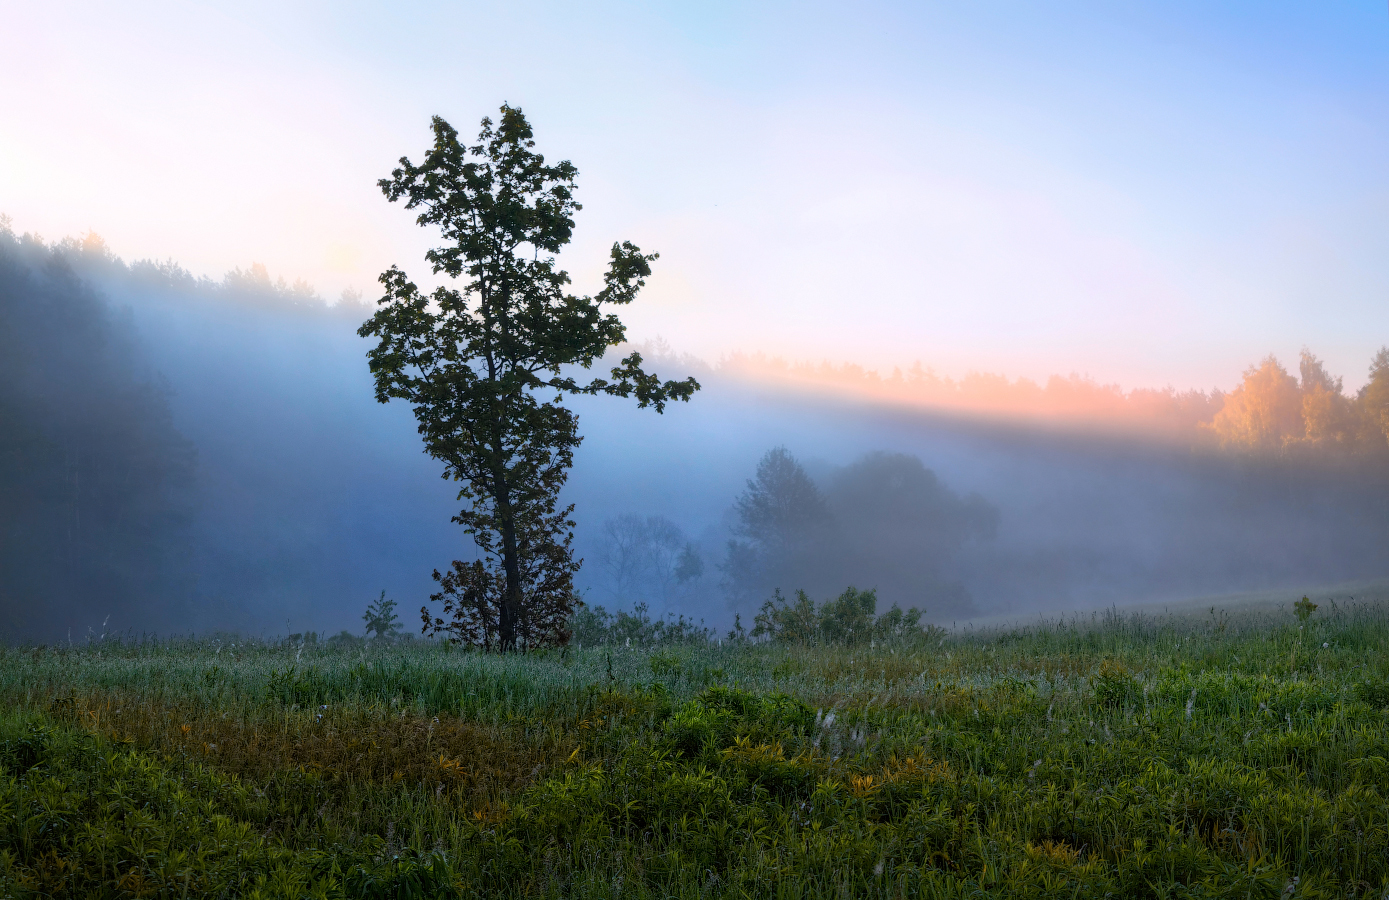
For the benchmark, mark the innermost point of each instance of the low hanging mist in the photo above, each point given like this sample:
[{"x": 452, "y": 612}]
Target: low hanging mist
[{"x": 179, "y": 454}]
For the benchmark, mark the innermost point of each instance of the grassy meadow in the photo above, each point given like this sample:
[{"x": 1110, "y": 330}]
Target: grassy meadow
[{"x": 1213, "y": 755}]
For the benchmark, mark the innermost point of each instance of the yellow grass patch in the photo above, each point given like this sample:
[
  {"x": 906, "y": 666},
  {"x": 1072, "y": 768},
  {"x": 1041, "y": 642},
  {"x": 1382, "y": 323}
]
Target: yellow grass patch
[{"x": 479, "y": 763}]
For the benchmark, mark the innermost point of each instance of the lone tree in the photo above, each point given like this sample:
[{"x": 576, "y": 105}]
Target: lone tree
[
  {"x": 381, "y": 618},
  {"x": 474, "y": 357}
]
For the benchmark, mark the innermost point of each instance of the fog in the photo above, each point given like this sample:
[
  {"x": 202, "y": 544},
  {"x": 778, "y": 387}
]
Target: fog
[{"x": 184, "y": 455}]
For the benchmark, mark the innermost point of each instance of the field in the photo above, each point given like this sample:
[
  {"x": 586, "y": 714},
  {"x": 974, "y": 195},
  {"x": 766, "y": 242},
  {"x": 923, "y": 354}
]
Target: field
[{"x": 1215, "y": 755}]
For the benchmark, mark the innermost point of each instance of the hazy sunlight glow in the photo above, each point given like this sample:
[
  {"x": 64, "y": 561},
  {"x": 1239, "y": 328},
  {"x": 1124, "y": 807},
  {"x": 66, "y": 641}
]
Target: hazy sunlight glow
[{"x": 1144, "y": 196}]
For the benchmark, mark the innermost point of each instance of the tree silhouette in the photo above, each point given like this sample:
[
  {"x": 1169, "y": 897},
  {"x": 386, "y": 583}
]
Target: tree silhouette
[
  {"x": 898, "y": 528},
  {"x": 781, "y": 518},
  {"x": 473, "y": 358},
  {"x": 95, "y": 480},
  {"x": 642, "y": 556}
]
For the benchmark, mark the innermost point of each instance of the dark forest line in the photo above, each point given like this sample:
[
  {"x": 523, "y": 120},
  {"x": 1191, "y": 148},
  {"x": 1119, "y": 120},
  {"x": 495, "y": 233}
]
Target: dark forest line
[{"x": 180, "y": 453}]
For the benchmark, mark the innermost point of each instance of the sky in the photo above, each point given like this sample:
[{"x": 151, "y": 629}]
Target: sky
[{"x": 1148, "y": 194}]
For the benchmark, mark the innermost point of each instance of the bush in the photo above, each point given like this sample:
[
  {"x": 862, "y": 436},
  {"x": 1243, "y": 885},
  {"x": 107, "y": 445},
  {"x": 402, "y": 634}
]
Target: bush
[
  {"x": 1374, "y": 691},
  {"x": 594, "y": 626},
  {"x": 844, "y": 621},
  {"x": 1114, "y": 685}
]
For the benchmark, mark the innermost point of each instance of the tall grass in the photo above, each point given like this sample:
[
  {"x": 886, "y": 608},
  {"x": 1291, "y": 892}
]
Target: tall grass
[{"x": 1116, "y": 754}]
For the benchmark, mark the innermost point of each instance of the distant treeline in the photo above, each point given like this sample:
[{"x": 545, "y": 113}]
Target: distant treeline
[
  {"x": 94, "y": 478},
  {"x": 1274, "y": 411},
  {"x": 261, "y": 481},
  {"x": 885, "y": 517},
  {"x": 1307, "y": 415},
  {"x": 847, "y": 620},
  {"x": 885, "y": 520},
  {"x": 1271, "y": 411},
  {"x": 103, "y": 487}
]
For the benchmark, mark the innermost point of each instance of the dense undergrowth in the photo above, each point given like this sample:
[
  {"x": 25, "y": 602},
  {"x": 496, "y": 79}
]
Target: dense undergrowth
[{"x": 1239, "y": 756}]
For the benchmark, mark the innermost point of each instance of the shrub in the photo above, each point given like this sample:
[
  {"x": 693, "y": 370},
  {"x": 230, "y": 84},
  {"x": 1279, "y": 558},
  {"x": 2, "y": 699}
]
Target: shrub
[
  {"x": 1113, "y": 684},
  {"x": 843, "y": 621},
  {"x": 594, "y": 626},
  {"x": 1374, "y": 691},
  {"x": 792, "y": 623}
]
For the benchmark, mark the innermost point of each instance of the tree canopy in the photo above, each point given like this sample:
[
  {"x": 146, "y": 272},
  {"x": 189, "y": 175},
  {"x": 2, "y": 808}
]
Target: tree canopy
[
  {"x": 1273, "y": 411},
  {"x": 474, "y": 356},
  {"x": 885, "y": 520}
]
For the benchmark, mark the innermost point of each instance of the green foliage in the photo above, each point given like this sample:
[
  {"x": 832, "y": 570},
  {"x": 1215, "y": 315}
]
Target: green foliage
[
  {"x": 1115, "y": 755},
  {"x": 86, "y": 817},
  {"x": 1374, "y": 691},
  {"x": 846, "y": 620},
  {"x": 1304, "y": 609},
  {"x": 1374, "y": 402},
  {"x": 1114, "y": 685},
  {"x": 594, "y": 626},
  {"x": 20, "y": 752},
  {"x": 794, "y": 623},
  {"x": 474, "y": 360}
]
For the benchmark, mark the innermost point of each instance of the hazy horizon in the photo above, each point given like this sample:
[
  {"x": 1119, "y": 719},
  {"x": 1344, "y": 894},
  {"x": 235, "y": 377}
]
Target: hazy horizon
[
  {"x": 308, "y": 498},
  {"x": 1146, "y": 196},
  {"x": 1038, "y": 308}
]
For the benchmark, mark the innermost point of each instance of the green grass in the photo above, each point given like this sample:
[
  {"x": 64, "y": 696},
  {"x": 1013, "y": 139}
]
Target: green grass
[{"x": 1128, "y": 756}]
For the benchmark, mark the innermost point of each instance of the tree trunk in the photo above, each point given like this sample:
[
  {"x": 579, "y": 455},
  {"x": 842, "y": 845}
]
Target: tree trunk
[
  {"x": 511, "y": 602},
  {"x": 510, "y": 612}
]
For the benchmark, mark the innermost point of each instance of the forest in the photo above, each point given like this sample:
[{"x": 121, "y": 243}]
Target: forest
[
  {"x": 1270, "y": 412},
  {"x": 177, "y": 451}
]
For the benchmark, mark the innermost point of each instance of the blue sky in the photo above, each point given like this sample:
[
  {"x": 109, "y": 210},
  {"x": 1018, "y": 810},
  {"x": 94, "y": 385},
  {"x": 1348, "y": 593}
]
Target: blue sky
[{"x": 1148, "y": 194}]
